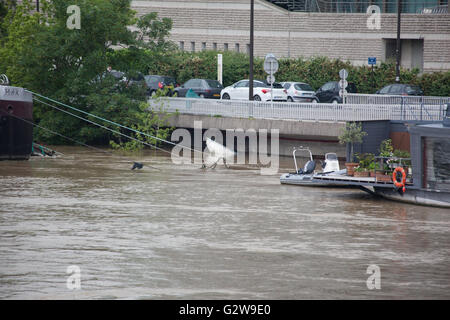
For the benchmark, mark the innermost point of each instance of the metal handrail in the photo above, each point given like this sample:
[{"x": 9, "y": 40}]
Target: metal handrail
[
  {"x": 300, "y": 149},
  {"x": 299, "y": 111}
]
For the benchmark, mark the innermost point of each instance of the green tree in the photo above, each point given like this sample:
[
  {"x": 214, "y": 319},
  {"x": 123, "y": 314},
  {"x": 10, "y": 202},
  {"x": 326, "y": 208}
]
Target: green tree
[
  {"x": 352, "y": 133},
  {"x": 43, "y": 55},
  {"x": 152, "y": 33}
]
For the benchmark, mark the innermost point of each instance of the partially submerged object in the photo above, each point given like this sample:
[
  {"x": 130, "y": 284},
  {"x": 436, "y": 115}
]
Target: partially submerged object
[
  {"x": 217, "y": 152},
  {"x": 38, "y": 150}
]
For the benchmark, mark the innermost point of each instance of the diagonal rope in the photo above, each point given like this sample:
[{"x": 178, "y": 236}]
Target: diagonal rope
[
  {"x": 68, "y": 138},
  {"x": 108, "y": 121},
  {"x": 102, "y": 126}
]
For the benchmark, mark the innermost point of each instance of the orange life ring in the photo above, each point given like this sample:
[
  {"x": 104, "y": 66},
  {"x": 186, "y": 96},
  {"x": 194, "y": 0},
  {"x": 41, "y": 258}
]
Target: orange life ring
[{"x": 394, "y": 178}]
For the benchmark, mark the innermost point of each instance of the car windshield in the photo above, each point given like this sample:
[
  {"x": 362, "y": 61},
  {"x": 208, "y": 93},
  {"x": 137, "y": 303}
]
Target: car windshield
[
  {"x": 214, "y": 84},
  {"x": 168, "y": 81},
  {"x": 117, "y": 74},
  {"x": 152, "y": 80},
  {"x": 264, "y": 84},
  {"x": 136, "y": 76},
  {"x": 259, "y": 84},
  {"x": 413, "y": 88},
  {"x": 303, "y": 86},
  {"x": 276, "y": 85},
  {"x": 351, "y": 88}
]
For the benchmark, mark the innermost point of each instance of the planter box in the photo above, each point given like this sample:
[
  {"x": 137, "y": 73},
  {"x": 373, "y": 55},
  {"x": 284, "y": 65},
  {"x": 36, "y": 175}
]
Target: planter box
[
  {"x": 383, "y": 178},
  {"x": 361, "y": 174},
  {"x": 351, "y": 167}
]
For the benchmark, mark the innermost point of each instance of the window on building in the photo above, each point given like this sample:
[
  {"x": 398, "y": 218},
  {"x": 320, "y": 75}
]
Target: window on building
[
  {"x": 203, "y": 46},
  {"x": 236, "y": 47},
  {"x": 181, "y": 45},
  {"x": 193, "y": 46},
  {"x": 248, "y": 48},
  {"x": 225, "y": 47},
  {"x": 215, "y": 46},
  {"x": 436, "y": 168}
]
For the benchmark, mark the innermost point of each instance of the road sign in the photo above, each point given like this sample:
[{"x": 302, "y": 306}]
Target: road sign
[
  {"x": 343, "y": 74},
  {"x": 372, "y": 61},
  {"x": 342, "y": 92},
  {"x": 270, "y": 64},
  {"x": 270, "y": 79},
  {"x": 343, "y": 84}
]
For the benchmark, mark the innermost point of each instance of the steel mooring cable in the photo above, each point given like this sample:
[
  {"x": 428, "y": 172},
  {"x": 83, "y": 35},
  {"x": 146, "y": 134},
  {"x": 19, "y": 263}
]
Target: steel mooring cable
[{"x": 137, "y": 165}]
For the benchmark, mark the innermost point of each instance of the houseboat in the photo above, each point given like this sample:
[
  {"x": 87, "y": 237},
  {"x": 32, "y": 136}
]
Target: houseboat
[
  {"x": 430, "y": 161},
  {"x": 16, "y": 118}
]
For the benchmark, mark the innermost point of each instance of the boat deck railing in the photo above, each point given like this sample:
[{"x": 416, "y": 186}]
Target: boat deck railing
[{"x": 378, "y": 178}]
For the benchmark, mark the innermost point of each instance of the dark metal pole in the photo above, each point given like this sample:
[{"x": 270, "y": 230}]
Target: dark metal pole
[
  {"x": 398, "y": 49},
  {"x": 37, "y": 5},
  {"x": 250, "y": 84},
  {"x": 373, "y": 79}
]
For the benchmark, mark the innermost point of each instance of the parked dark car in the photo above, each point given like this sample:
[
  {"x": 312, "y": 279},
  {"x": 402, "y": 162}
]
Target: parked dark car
[
  {"x": 130, "y": 79},
  {"x": 329, "y": 92},
  {"x": 205, "y": 88},
  {"x": 401, "y": 89},
  {"x": 155, "y": 83},
  {"x": 135, "y": 78}
]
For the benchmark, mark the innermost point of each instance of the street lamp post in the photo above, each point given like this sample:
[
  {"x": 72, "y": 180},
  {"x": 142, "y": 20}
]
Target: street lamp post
[
  {"x": 398, "y": 49},
  {"x": 250, "y": 85}
]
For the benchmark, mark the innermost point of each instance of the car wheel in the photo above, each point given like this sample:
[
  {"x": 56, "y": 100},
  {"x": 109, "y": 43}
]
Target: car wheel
[
  {"x": 202, "y": 96},
  {"x": 314, "y": 101},
  {"x": 334, "y": 101},
  {"x": 289, "y": 99},
  {"x": 257, "y": 98},
  {"x": 226, "y": 96}
]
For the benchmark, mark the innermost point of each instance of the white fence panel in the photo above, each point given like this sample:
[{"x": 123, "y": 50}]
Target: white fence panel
[{"x": 299, "y": 111}]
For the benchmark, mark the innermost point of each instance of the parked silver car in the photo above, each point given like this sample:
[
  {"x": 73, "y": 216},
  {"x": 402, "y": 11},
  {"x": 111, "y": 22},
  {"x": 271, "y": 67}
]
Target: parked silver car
[{"x": 299, "y": 92}]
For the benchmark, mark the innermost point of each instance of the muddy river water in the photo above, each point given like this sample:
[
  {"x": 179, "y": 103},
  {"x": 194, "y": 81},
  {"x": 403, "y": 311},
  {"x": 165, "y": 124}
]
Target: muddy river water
[{"x": 180, "y": 232}]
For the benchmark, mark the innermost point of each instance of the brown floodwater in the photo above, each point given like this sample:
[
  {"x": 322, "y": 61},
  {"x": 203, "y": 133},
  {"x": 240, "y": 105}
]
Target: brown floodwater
[{"x": 180, "y": 232}]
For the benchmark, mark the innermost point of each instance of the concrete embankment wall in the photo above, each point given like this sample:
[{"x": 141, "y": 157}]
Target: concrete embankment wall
[{"x": 320, "y": 136}]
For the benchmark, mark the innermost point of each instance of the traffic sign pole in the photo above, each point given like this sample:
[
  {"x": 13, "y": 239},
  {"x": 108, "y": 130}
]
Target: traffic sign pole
[
  {"x": 271, "y": 67},
  {"x": 271, "y": 84},
  {"x": 343, "y": 74}
]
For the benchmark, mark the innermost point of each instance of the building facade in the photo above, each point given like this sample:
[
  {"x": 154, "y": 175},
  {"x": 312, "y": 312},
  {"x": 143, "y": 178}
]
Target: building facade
[{"x": 345, "y": 30}]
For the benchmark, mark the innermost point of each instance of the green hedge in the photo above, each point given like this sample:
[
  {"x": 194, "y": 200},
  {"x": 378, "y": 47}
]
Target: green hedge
[{"x": 315, "y": 71}]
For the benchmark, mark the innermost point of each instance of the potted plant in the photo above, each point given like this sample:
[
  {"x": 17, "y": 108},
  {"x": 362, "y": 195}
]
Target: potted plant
[
  {"x": 373, "y": 168},
  {"x": 386, "y": 148},
  {"x": 403, "y": 158},
  {"x": 351, "y": 134},
  {"x": 365, "y": 161},
  {"x": 383, "y": 173},
  {"x": 361, "y": 172}
]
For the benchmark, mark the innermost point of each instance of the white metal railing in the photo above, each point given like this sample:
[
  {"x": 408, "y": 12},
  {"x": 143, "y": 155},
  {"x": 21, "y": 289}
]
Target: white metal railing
[
  {"x": 298, "y": 111},
  {"x": 358, "y": 98}
]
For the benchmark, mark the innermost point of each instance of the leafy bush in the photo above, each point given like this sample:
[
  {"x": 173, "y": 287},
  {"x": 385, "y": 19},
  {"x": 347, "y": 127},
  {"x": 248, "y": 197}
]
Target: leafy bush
[{"x": 315, "y": 71}]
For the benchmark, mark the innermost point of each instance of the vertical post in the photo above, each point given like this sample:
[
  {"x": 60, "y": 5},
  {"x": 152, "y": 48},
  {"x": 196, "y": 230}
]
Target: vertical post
[
  {"x": 398, "y": 49},
  {"x": 37, "y": 5},
  {"x": 220, "y": 68},
  {"x": 373, "y": 78},
  {"x": 271, "y": 84},
  {"x": 250, "y": 84},
  {"x": 402, "y": 111}
]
